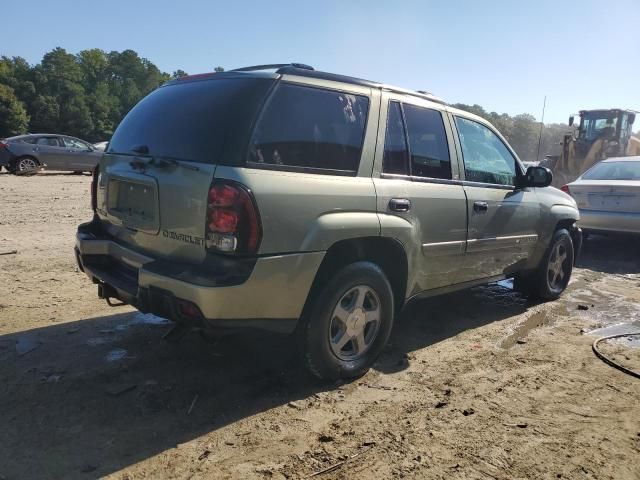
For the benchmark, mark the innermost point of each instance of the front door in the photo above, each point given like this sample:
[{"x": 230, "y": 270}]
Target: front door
[
  {"x": 420, "y": 200},
  {"x": 80, "y": 156},
  {"x": 502, "y": 219}
]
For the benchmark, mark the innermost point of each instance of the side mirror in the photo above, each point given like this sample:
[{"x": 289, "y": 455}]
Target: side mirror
[
  {"x": 632, "y": 118},
  {"x": 571, "y": 121},
  {"x": 537, "y": 177}
]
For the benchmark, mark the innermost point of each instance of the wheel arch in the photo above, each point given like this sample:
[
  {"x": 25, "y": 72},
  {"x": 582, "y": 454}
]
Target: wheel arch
[{"x": 387, "y": 253}]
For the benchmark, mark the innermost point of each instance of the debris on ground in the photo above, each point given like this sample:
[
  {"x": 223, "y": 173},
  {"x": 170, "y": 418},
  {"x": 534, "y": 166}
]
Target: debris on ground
[
  {"x": 121, "y": 388},
  {"x": 25, "y": 345}
]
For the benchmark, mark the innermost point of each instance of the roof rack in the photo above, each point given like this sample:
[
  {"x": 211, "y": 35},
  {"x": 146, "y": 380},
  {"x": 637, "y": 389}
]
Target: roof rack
[{"x": 272, "y": 66}]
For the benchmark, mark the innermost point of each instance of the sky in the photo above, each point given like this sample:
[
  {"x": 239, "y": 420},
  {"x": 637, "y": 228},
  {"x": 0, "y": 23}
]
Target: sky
[{"x": 504, "y": 55}]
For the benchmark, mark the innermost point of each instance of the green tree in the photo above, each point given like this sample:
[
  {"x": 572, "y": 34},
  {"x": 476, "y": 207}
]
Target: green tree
[
  {"x": 179, "y": 74},
  {"x": 13, "y": 116}
]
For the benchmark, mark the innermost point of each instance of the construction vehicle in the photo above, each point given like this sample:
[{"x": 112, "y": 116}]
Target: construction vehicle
[{"x": 600, "y": 134}]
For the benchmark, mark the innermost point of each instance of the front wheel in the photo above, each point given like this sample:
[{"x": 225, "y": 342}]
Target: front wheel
[
  {"x": 348, "y": 322},
  {"x": 554, "y": 272}
]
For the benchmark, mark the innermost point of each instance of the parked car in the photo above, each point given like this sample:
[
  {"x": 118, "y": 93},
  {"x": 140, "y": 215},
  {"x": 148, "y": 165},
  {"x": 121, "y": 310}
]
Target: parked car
[
  {"x": 608, "y": 196},
  {"x": 100, "y": 146},
  {"x": 23, "y": 153},
  {"x": 307, "y": 202}
]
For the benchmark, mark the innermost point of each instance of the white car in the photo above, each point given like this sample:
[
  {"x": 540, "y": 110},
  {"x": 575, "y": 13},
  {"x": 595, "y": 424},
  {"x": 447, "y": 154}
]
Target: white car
[
  {"x": 608, "y": 196},
  {"x": 100, "y": 146}
]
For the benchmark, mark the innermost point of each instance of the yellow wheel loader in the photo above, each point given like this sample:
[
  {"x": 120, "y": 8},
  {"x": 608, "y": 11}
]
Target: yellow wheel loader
[{"x": 600, "y": 134}]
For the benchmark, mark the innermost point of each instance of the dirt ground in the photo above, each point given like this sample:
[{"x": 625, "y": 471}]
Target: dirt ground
[{"x": 475, "y": 384}]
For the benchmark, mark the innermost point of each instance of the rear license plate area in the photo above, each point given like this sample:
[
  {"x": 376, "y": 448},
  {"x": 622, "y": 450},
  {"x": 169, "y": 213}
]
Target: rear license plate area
[{"x": 134, "y": 204}]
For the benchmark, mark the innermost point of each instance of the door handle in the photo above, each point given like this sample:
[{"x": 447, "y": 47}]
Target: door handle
[
  {"x": 480, "y": 207},
  {"x": 399, "y": 204}
]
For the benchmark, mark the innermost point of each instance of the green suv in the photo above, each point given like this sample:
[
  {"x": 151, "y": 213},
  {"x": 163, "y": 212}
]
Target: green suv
[{"x": 288, "y": 199}]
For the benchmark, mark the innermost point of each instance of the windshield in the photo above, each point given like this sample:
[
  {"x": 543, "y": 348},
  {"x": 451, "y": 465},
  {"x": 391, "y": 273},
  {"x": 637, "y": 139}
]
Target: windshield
[
  {"x": 597, "y": 125},
  {"x": 201, "y": 121},
  {"x": 627, "y": 170}
]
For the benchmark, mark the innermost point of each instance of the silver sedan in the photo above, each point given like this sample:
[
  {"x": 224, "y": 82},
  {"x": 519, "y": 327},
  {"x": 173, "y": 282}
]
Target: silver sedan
[{"x": 608, "y": 196}]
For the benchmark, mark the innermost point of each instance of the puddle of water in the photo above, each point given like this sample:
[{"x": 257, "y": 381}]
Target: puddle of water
[
  {"x": 148, "y": 319},
  {"x": 535, "y": 320},
  {"x": 94, "y": 342},
  {"x": 116, "y": 355},
  {"x": 619, "y": 329}
]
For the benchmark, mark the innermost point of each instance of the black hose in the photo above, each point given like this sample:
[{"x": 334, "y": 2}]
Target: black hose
[{"x": 607, "y": 360}]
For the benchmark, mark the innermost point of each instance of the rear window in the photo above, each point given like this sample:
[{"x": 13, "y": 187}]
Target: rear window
[
  {"x": 204, "y": 121},
  {"x": 628, "y": 170},
  {"x": 312, "y": 128}
]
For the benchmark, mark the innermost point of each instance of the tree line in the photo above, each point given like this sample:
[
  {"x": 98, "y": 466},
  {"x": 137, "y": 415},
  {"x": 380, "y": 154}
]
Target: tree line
[
  {"x": 87, "y": 94},
  {"x": 523, "y": 132},
  {"x": 84, "y": 95}
]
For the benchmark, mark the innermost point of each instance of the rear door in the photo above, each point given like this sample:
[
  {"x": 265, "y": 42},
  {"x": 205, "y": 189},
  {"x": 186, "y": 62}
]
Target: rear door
[
  {"x": 503, "y": 220},
  {"x": 51, "y": 151},
  {"x": 418, "y": 183},
  {"x": 155, "y": 176}
]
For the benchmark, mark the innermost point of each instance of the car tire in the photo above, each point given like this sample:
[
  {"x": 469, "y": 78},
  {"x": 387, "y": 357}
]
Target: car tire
[
  {"x": 348, "y": 322},
  {"x": 552, "y": 276},
  {"x": 25, "y": 164}
]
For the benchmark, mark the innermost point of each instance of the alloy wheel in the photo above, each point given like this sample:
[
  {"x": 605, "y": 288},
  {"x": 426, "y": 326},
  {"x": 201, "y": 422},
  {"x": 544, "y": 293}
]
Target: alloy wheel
[{"x": 355, "y": 323}]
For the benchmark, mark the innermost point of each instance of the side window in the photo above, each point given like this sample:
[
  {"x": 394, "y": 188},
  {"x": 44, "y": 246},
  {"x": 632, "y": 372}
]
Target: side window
[
  {"x": 311, "y": 127},
  {"x": 427, "y": 142},
  {"x": 486, "y": 158},
  {"x": 396, "y": 155},
  {"x": 48, "y": 141}
]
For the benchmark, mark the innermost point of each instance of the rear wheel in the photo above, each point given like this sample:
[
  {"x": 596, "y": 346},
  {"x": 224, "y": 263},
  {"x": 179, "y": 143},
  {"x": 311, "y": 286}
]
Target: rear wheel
[
  {"x": 554, "y": 272},
  {"x": 348, "y": 322},
  {"x": 26, "y": 164}
]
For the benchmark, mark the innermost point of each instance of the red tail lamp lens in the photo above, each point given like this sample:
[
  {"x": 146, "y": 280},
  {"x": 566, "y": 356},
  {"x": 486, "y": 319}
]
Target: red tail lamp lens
[
  {"x": 223, "y": 195},
  {"x": 565, "y": 189},
  {"x": 233, "y": 223},
  {"x": 223, "y": 220}
]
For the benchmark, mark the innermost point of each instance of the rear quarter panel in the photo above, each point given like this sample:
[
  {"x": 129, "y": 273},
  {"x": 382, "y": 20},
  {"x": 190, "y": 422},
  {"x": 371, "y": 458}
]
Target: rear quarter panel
[{"x": 304, "y": 212}]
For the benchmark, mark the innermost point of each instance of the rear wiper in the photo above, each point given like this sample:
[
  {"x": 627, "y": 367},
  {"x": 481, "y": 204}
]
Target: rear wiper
[
  {"x": 160, "y": 162},
  {"x": 166, "y": 161}
]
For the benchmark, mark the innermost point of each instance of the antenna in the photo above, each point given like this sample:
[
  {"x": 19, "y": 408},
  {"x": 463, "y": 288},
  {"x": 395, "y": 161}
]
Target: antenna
[{"x": 544, "y": 105}]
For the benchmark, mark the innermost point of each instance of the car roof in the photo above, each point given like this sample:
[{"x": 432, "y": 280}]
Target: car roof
[
  {"x": 622, "y": 159},
  {"x": 301, "y": 70}
]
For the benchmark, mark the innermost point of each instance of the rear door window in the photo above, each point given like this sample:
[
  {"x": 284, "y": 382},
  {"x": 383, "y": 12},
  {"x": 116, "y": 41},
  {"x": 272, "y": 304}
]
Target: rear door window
[
  {"x": 48, "y": 141},
  {"x": 396, "y": 154},
  {"x": 312, "y": 128},
  {"x": 427, "y": 142}
]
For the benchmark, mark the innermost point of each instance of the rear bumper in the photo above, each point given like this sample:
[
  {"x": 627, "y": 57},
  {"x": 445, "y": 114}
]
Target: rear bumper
[
  {"x": 623, "y": 222},
  {"x": 267, "y": 292},
  {"x": 6, "y": 157}
]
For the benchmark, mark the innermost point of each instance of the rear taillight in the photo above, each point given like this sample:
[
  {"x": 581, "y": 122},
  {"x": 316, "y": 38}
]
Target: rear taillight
[
  {"x": 233, "y": 223},
  {"x": 4, "y": 144},
  {"x": 94, "y": 187},
  {"x": 565, "y": 189}
]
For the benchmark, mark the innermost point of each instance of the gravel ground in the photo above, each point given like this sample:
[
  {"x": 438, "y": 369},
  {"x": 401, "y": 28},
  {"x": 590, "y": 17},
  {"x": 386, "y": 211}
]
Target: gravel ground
[{"x": 475, "y": 384}]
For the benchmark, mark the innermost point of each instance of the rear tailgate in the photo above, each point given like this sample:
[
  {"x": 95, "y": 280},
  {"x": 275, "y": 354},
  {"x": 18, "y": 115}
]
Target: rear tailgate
[
  {"x": 621, "y": 196},
  {"x": 161, "y": 211},
  {"x": 155, "y": 177}
]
